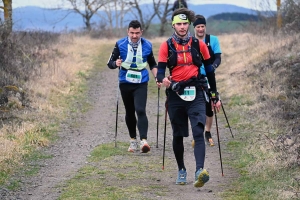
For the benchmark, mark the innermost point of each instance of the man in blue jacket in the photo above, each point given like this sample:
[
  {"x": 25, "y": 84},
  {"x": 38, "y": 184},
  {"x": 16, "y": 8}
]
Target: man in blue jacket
[{"x": 131, "y": 55}]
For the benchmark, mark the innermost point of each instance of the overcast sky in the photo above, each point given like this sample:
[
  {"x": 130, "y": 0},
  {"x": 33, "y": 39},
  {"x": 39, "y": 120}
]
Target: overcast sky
[{"x": 254, "y": 4}]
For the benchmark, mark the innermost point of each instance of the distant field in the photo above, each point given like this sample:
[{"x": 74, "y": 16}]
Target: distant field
[{"x": 222, "y": 26}]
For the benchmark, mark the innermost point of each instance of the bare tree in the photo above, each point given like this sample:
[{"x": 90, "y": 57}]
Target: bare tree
[
  {"x": 163, "y": 9},
  {"x": 115, "y": 12},
  {"x": 144, "y": 17},
  {"x": 87, "y": 9},
  {"x": 7, "y": 8},
  {"x": 112, "y": 17},
  {"x": 291, "y": 14}
]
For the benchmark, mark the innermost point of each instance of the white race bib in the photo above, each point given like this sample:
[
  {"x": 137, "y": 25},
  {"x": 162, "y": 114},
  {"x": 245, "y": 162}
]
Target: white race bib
[
  {"x": 189, "y": 93},
  {"x": 133, "y": 76}
]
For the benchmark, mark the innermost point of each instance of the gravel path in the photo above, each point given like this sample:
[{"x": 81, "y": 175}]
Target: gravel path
[{"x": 97, "y": 127}]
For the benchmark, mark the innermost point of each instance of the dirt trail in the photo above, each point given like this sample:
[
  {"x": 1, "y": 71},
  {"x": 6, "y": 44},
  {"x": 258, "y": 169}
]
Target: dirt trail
[{"x": 97, "y": 127}]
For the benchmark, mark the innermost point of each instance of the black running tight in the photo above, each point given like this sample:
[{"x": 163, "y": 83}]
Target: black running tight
[
  {"x": 135, "y": 98},
  {"x": 178, "y": 149},
  {"x": 199, "y": 149}
]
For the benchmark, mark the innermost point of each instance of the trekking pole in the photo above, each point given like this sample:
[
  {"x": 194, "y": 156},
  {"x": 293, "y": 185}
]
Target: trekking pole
[
  {"x": 157, "y": 123},
  {"x": 226, "y": 118},
  {"x": 165, "y": 133},
  {"x": 117, "y": 110},
  {"x": 218, "y": 140}
]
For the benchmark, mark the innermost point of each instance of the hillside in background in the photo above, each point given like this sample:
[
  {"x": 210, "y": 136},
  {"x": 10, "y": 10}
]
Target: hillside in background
[
  {"x": 232, "y": 23},
  {"x": 234, "y": 17},
  {"x": 36, "y": 18}
]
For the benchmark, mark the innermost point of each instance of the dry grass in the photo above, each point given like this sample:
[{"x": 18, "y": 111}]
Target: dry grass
[
  {"x": 58, "y": 78},
  {"x": 241, "y": 52},
  {"x": 258, "y": 69}
]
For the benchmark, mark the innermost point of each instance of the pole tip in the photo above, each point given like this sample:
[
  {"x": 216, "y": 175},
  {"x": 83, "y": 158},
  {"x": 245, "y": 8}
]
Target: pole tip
[{"x": 163, "y": 167}]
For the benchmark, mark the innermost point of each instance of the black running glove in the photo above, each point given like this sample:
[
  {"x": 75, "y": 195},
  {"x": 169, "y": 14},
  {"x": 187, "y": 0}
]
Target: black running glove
[{"x": 214, "y": 97}]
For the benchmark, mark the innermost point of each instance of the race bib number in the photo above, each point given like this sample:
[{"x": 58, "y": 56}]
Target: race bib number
[
  {"x": 189, "y": 93},
  {"x": 133, "y": 76}
]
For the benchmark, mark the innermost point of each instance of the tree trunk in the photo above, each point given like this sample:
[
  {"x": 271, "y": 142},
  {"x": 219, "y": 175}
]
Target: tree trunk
[
  {"x": 8, "y": 15},
  {"x": 162, "y": 29},
  {"x": 88, "y": 25}
]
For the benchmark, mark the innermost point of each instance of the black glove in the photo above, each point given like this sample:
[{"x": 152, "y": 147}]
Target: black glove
[
  {"x": 214, "y": 97},
  {"x": 175, "y": 86},
  {"x": 178, "y": 87},
  {"x": 114, "y": 65}
]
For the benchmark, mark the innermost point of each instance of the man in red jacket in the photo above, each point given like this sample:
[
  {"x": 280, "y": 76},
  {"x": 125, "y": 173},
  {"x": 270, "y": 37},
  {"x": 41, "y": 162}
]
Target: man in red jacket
[{"x": 186, "y": 90}]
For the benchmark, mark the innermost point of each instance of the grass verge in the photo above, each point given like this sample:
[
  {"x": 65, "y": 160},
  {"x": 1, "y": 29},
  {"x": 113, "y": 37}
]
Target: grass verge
[
  {"x": 255, "y": 95},
  {"x": 113, "y": 173},
  {"x": 57, "y": 99}
]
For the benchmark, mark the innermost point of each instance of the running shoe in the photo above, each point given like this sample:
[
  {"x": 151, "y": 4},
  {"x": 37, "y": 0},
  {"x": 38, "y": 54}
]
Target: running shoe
[
  {"x": 201, "y": 177},
  {"x": 133, "y": 145},
  {"x": 181, "y": 178},
  {"x": 209, "y": 138},
  {"x": 144, "y": 146}
]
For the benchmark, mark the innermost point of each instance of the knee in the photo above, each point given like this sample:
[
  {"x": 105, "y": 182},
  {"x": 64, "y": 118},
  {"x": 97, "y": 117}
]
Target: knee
[
  {"x": 140, "y": 112},
  {"x": 209, "y": 113},
  {"x": 198, "y": 131},
  {"x": 177, "y": 140}
]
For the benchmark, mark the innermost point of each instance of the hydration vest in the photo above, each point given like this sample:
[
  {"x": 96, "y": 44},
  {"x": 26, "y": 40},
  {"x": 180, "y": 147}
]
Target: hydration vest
[
  {"x": 134, "y": 59},
  {"x": 172, "y": 53},
  {"x": 211, "y": 52},
  {"x": 139, "y": 58}
]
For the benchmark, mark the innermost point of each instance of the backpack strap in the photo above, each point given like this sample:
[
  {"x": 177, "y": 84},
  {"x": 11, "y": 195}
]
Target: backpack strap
[
  {"x": 172, "y": 55},
  {"x": 195, "y": 44},
  {"x": 211, "y": 52},
  {"x": 207, "y": 39},
  {"x": 196, "y": 53}
]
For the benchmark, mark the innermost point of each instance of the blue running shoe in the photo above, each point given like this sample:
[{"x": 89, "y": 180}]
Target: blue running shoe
[
  {"x": 201, "y": 177},
  {"x": 181, "y": 178}
]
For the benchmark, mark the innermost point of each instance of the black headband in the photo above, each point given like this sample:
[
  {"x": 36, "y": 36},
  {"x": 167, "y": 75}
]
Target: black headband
[{"x": 199, "y": 21}]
